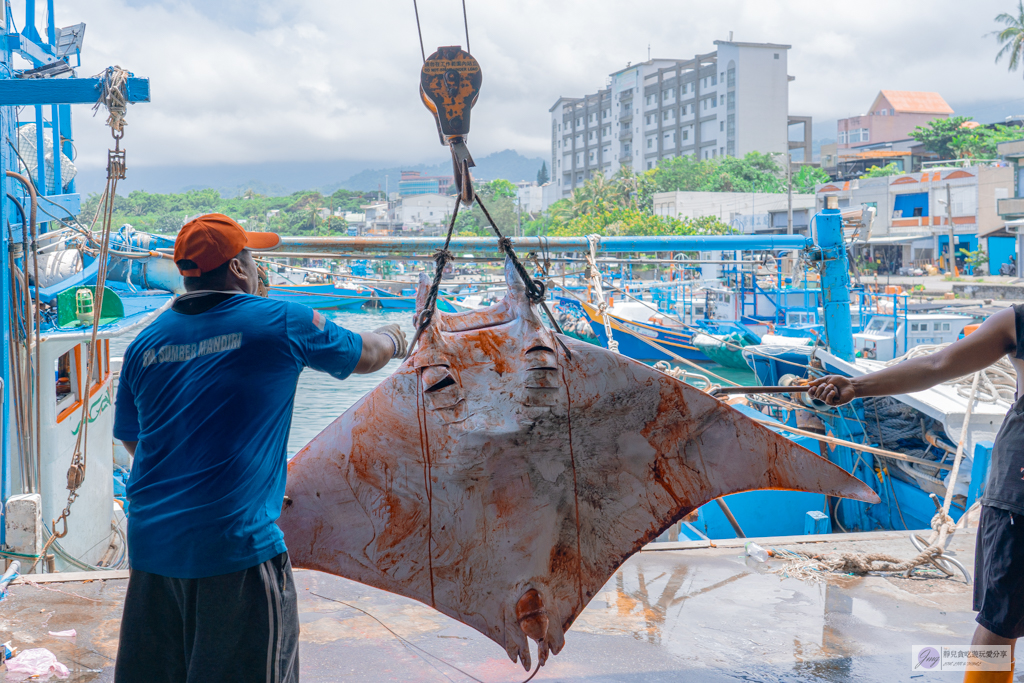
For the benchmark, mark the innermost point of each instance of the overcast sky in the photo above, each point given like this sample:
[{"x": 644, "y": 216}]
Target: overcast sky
[{"x": 245, "y": 81}]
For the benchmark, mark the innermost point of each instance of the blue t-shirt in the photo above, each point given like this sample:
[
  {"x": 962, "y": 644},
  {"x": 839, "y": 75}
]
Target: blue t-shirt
[{"x": 209, "y": 399}]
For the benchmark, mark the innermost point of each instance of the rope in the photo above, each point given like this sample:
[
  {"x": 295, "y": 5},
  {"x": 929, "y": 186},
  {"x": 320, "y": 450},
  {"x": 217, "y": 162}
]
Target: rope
[
  {"x": 442, "y": 257},
  {"x": 997, "y": 382},
  {"x": 419, "y": 30},
  {"x": 535, "y": 290},
  {"x": 602, "y": 305},
  {"x": 942, "y": 526},
  {"x": 115, "y": 81},
  {"x": 685, "y": 375}
]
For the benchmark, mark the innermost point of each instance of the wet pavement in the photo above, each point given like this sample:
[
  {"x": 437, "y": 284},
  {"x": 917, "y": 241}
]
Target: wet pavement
[{"x": 696, "y": 614}]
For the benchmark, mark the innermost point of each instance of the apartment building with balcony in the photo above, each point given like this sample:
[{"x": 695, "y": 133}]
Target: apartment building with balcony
[{"x": 728, "y": 102}]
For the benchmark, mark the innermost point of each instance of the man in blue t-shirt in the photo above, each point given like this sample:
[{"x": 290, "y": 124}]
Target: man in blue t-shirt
[{"x": 204, "y": 404}]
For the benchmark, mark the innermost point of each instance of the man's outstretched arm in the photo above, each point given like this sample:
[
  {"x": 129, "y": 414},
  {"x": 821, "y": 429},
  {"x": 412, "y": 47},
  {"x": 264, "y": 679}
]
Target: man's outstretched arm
[
  {"x": 996, "y": 337},
  {"x": 379, "y": 347}
]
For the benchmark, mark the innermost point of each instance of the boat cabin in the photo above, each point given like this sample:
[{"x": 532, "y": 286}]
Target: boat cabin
[{"x": 885, "y": 336}]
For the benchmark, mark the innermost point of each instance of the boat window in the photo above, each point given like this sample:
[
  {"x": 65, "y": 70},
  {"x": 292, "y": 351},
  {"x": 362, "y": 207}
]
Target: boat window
[
  {"x": 945, "y": 327},
  {"x": 913, "y": 327},
  {"x": 66, "y": 378}
]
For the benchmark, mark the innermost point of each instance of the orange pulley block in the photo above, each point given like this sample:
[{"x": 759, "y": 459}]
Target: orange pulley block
[{"x": 449, "y": 87}]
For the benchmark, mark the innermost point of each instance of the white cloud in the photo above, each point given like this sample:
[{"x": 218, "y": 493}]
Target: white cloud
[{"x": 240, "y": 82}]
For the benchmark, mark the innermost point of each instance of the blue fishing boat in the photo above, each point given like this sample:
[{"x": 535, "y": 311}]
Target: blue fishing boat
[
  {"x": 323, "y": 295},
  {"x": 631, "y": 336}
]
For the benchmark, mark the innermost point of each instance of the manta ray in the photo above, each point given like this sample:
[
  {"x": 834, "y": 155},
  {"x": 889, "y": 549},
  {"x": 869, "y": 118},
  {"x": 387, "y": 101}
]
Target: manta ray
[{"x": 503, "y": 473}]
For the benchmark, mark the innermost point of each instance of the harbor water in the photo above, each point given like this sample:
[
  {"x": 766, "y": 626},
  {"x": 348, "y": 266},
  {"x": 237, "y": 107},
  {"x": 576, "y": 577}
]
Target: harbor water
[{"x": 320, "y": 399}]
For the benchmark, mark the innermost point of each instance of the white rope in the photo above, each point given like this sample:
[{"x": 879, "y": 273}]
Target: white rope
[
  {"x": 602, "y": 305},
  {"x": 115, "y": 80}
]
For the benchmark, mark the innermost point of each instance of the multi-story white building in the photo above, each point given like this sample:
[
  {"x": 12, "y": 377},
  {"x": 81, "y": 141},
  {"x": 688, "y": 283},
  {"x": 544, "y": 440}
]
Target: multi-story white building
[{"x": 724, "y": 103}]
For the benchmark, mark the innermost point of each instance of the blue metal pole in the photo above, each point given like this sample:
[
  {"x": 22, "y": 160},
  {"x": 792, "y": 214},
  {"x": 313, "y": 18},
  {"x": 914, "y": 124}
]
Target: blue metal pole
[
  {"x": 835, "y": 283},
  {"x": 58, "y": 176},
  {"x": 426, "y": 245}
]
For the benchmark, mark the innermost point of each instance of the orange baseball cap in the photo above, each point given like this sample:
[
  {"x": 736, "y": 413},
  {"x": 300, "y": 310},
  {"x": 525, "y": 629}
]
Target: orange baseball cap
[{"x": 212, "y": 240}]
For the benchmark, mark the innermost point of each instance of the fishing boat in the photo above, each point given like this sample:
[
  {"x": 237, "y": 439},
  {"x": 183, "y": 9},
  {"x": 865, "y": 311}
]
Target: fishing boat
[
  {"x": 631, "y": 329},
  {"x": 328, "y": 296}
]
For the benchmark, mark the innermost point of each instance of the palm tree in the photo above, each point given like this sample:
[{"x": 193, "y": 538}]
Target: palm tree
[{"x": 1012, "y": 37}]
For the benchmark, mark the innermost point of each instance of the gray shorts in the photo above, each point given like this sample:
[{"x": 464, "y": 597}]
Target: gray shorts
[{"x": 240, "y": 627}]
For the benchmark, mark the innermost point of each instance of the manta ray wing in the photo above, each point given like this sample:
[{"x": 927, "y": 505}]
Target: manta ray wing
[{"x": 502, "y": 481}]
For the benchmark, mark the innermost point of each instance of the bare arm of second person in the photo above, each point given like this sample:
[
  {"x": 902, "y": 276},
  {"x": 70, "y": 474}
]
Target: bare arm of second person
[
  {"x": 996, "y": 337},
  {"x": 379, "y": 347}
]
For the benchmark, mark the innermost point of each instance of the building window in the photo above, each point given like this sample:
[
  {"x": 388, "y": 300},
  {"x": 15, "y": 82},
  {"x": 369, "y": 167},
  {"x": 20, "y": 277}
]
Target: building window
[
  {"x": 591, "y": 157},
  {"x": 579, "y": 178},
  {"x": 664, "y": 115},
  {"x": 723, "y": 99},
  {"x": 732, "y": 77},
  {"x": 776, "y": 55},
  {"x": 721, "y": 151},
  {"x": 731, "y": 100},
  {"x": 732, "y": 148},
  {"x": 650, "y": 165},
  {"x": 647, "y": 120},
  {"x": 842, "y": 137},
  {"x": 704, "y": 103},
  {"x": 559, "y": 128},
  {"x": 714, "y": 80},
  {"x": 650, "y": 143},
  {"x": 721, "y": 126},
  {"x": 714, "y": 102},
  {"x": 686, "y": 134},
  {"x": 590, "y": 135},
  {"x": 892, "y": 112},
  {"x": 865, "y": 135},
  {"x": 682, "y": 110},
  {"x": 579, "y": 122},
  {"x": 650, "y": 99},
  {"x": 731, "y": 130}
]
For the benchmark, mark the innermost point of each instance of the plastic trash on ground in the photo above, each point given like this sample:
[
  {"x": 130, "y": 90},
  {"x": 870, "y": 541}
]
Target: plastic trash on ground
[
  {"x": 70, "y": 633},
  {"x": 36, "y": 662},
  {"x": 757, "y": 552}
]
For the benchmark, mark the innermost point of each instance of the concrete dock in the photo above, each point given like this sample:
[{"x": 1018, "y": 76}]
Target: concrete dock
[{"x": 674, "y": 612}]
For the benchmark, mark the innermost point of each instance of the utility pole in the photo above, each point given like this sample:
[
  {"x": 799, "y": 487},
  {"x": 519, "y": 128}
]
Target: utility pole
[
  {"x": 789, "y": 205},
  {"x": 952, "y": 237}
]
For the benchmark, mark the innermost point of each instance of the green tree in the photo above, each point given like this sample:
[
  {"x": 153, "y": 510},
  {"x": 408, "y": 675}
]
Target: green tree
[
  {"x": 755, "y": 172},
  {"x": 542, "y": 174},
  {"x": 1011, "y": 37},
  {"x": 939, "y": 135},
  {"x": 806, "y": 180},
  {"x": 632, "y": 222},
  {"x": 982, "y": 142},
  {"x": 892, "y": 168}
]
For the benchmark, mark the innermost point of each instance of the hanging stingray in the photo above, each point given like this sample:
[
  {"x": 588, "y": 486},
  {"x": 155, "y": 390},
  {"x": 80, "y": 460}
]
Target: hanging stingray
[{"x": 502, "y": 481}]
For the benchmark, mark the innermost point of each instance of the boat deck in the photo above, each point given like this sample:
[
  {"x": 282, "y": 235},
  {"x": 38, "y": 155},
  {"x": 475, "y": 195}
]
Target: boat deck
[{"x": 686, "y": 612}]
